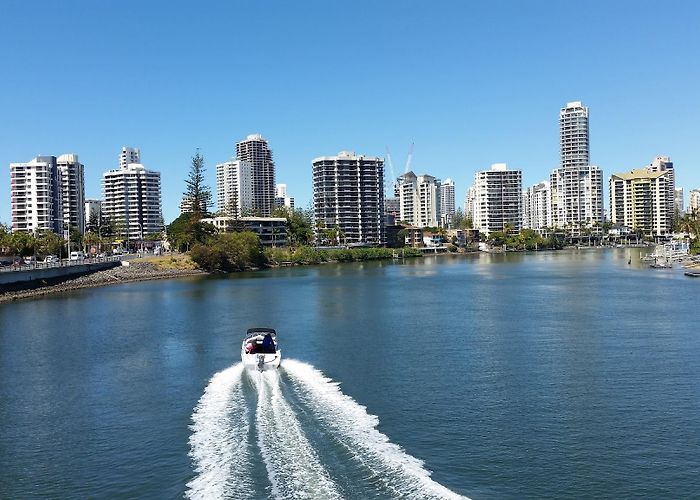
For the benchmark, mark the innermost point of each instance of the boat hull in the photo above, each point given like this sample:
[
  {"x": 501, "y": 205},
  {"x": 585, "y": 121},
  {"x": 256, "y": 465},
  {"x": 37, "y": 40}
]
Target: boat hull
[{"x": 261, "y": 362}]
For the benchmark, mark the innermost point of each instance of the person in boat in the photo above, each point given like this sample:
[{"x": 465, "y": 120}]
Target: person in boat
[
  {"x": 268, "y": 345},
  {"x": 250, "y": 347}
]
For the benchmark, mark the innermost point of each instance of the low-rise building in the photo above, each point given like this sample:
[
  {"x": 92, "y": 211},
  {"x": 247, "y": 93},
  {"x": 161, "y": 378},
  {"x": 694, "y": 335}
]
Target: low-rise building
[{"x": 272, "y": 231}]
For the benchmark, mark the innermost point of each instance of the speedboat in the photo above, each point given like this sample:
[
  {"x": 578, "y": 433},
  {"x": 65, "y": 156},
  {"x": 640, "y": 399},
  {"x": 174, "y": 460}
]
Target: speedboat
[{"x": 259, "y": 350}]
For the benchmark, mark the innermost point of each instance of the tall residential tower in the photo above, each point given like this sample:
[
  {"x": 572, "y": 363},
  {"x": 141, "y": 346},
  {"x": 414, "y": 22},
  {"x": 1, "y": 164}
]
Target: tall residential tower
[
  {"x": 255, "y": 150},
  {"x": 349, "y": 197}
]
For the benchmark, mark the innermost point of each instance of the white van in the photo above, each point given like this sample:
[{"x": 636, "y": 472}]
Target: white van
[{"x": 77, "y": 256}]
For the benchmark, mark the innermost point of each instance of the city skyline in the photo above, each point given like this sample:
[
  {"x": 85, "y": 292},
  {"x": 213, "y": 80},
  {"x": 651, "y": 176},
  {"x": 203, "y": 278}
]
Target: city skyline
[{"x": 482, "y": 85}]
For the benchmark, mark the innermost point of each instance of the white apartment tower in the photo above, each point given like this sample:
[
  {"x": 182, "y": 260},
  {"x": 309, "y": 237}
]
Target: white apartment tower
[
  {"x": 498, "y": 199},
  {"x": 639, "y": 200},
  {"x": 281, "y": 198},
  {"x": 128, "y": 156},
  {"x": 694, "y": 202},
  {"x": 72, "y": 190},
  {"x": 664, "y": 164},
  {"x": 679, "y": 202},
  {"x": 419, "y": 199},
  {"x": 573, "y": 135},
  {"x": 132, "y": 200},
  {"x": 93, "y": 214},
  {"x": 36, "y": 195},
  {"x": 255, "y": 150},
  {"x": 234, "y": 187},
  {"x": 537, "y": 201},
  {"x": 576, "y": 186},
  {"x": 349, "y": 195},
  {"x": 447, "y": 202}
]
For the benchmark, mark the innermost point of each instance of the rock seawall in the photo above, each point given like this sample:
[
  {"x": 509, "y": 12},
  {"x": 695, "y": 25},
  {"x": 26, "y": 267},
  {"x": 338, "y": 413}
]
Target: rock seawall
[{"x": 135, "y": 271}]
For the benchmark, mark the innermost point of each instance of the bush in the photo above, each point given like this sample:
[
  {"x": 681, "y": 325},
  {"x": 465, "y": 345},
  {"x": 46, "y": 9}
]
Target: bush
[{"x": 230, "y": 252}]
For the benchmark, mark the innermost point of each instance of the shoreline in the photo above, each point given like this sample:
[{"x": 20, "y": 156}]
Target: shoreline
[{"x": 134, "y": 272}]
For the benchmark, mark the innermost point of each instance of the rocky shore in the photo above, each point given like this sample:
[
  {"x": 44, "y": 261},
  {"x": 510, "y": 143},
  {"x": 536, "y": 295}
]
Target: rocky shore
[{"x": 135, "y": 271}]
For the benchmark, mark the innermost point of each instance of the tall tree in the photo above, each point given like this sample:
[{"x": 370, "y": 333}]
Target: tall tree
[{"x": 196, "y": 191}]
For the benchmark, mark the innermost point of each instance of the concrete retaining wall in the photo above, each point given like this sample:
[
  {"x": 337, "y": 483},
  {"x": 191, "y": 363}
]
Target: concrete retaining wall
[{"x": 29, "y": 278}]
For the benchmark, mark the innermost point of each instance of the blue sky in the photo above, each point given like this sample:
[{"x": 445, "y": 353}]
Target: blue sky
[{"x": 471, "y": 83}]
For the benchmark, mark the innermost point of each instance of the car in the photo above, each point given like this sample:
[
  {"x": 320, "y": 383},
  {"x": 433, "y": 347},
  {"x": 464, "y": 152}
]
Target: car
[
  {"x": 30, "y": 260},
  {"x": 77, "y": 255},
  {"x": 50, "y": 258}
]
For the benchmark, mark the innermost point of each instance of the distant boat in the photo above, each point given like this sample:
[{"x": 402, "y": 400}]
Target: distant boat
[
  {"x": 692, "y": 274},
  {"x": 661, "y": 265},
  {"x": 259, "y": 350}
]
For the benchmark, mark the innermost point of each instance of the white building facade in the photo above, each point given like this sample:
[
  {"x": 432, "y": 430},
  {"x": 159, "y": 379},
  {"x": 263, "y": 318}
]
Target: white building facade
[
  {"x": 576, "y": 186},
  {"x": 255, "y": 150},
  {"x": 694, "y": 202},
  {"x": 234, "y": 187},
  {"x": 281, "y": 197},
  {"x": 36, "y": 195},
  {"x": 537, "y": 202},
  {"x": 419, "y": 199},
  {"x": 349, "y": 196},
  {"x": 498, "y": 199},
  {"x": 639, "y": 201},
  {"x": 132, "y": 200},
  {"x": 447, "y": 202},
  {"x": 72, "y": 190}
]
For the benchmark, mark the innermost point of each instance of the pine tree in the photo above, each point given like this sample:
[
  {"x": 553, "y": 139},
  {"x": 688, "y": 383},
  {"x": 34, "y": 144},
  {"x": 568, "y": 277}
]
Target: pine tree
[{"x": 196, "y": 190}]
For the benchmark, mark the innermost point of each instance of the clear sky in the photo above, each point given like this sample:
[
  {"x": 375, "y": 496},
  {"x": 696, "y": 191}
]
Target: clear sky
[{"x": 471, "y": 83}]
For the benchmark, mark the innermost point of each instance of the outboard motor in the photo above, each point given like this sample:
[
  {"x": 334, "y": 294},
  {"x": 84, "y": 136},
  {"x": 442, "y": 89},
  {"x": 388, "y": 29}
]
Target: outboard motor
[{"x": 261, "y": 362}]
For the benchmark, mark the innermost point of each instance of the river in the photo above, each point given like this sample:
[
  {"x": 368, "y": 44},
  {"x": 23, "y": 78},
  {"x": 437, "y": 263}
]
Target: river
[{"x": 568, "y": 374}]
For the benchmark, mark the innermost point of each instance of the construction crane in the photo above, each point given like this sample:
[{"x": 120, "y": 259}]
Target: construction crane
[
  {"x": 391, "y": 170},
  {"x": 410, "y": 157}
]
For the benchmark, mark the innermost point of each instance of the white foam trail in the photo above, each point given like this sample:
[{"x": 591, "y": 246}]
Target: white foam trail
[
  {"x": 219, "y": 440},
  {"x": 293, "y": 467},
  {"x": 388, "y": 464}
]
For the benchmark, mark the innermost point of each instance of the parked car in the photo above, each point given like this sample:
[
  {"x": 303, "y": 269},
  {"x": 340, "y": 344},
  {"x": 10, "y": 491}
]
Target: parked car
[
  {"x": 77, "y": 255},
  {"x": 30, "y": 260},
  {"x": 50, "y": 258}
]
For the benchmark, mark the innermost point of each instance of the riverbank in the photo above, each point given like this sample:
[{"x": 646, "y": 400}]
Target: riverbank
[{"x": 137, "y": 270}]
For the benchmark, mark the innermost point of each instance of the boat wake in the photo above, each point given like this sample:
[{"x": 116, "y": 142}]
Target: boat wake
[{"x": 295, "y": 426}]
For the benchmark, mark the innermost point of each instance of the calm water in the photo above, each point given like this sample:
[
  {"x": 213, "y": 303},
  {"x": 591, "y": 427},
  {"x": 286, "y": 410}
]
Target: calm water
[{"x": 549, "y": 375}]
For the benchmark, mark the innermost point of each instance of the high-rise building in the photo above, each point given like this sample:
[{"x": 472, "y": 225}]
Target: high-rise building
[
  {"x": 187, "y": 205},
  {"x": 132, "y": 200},
  {"x": 664, "y": 164},
  {"x": 349, "y": 196},
  {"x": 234, "y": 187},
  {"x": 576, "y": 186},
  {"x": 679, "y": 202},
  {"x": 128, "y": 156},
  {"x": 639, "y": 200},
  {"x": 498, "y": 199},
  {"x": 469, "y": 202},
  {"x": 93, "y": 214},
  {"x": 573, "y": 135},
  {"x": 419, "y": 199},
  {"x": 36, "y": 195},
  {"x": 577, "y": 198},
  {"x": 537, "y": 202},
  {"x": 281, "y": 198},
  {"x": 447, "y": 202},
  {"x": 694, "y": 202},
  {"x": 255, "y": 150},
  {"x": 73, "y": 190}
]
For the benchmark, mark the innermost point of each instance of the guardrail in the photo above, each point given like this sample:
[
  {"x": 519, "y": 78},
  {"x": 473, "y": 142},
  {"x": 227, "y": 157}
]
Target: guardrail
[{"x": 23, "y": 266}]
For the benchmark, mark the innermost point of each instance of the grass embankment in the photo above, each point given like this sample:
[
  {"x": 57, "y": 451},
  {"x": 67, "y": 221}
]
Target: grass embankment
[
  {"x": 180, "y": 262},
  {"x": 310, "y": 255}
]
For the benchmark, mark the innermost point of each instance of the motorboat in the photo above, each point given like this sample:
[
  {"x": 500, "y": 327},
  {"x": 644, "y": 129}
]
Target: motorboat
[
  {"x": 259, "y": 350},
  {"x": 692, "y": 274}
]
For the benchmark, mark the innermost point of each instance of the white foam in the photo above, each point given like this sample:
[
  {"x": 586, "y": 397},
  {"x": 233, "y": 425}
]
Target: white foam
[
  {"x": 220, "y": 438},
  {"x": 355, "y": 429},
  {"x": 293, "y": 467}
]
